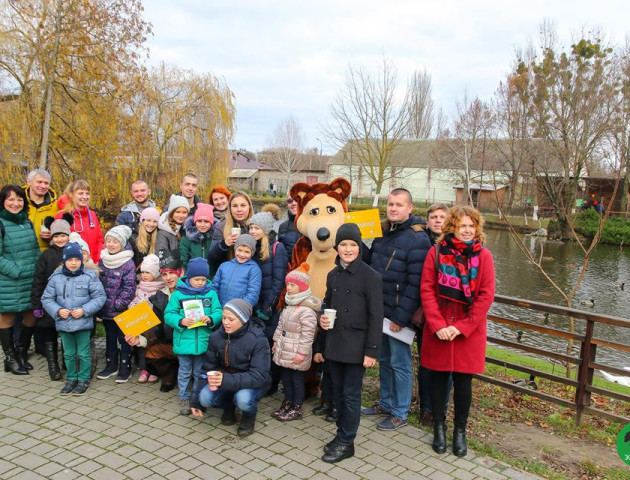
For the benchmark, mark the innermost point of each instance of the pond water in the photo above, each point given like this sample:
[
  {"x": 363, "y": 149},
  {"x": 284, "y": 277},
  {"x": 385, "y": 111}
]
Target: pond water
[{"x": 609, "y": 267}]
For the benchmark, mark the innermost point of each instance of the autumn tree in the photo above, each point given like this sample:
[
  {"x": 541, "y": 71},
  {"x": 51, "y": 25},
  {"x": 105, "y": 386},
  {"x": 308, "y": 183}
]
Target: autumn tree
[
  {"x": 572, "y": 98},
  {"x": 285, "y": 145},
  {"x": 368, "y": 117},
  {"x": 67, "y": 59}
]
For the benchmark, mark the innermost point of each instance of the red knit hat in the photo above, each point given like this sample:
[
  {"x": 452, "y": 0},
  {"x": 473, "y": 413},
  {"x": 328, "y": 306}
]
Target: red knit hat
[{"x": 300, "y": 277}]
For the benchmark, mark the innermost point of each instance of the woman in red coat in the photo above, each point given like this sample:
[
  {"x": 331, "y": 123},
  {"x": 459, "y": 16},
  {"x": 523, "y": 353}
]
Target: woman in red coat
[
  {"x": 456, "y": 293},
  {"x": 76, "y": 201}
]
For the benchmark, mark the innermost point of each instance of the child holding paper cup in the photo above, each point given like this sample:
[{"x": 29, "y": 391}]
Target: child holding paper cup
[
  {"x": 192, "y": 312},
  {"x": 72, "y": 297},
  {"x": 352, "y": 338}
]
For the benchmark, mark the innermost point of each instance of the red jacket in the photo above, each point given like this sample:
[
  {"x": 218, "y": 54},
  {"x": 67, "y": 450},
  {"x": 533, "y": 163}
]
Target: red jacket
[
  {"x": 92, "y": 234},
  {"x": 467, "y": 352}
]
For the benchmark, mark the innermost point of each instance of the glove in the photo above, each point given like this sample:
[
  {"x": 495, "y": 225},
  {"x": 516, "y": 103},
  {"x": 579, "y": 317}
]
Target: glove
[
  {"x": 261, "y": 315},
  {"x": 38, "y": 312}
]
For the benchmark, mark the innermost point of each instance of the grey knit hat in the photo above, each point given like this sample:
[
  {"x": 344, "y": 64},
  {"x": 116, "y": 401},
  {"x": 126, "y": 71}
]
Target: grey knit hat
[
  {"x": 122, "y": 233},
  {"x": 241, "y": 308},
  {"x": 264, "y": 220},
  {"x": 247, "y": 240},
  {"x": 59, "y": 227}
]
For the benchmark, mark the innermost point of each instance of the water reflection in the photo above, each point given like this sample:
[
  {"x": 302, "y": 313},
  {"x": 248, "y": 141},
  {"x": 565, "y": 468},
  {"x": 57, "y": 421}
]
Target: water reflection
[{"x": 516, "y": 276}]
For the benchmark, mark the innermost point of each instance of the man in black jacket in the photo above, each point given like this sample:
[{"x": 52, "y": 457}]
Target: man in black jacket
[
  {"x": 399, "y": 257},
  {"x": 288, "y": 235}
]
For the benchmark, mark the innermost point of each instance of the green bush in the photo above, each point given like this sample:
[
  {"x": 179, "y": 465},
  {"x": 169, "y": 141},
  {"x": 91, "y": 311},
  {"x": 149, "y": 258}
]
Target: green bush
[{"x": 616, "y": 230}]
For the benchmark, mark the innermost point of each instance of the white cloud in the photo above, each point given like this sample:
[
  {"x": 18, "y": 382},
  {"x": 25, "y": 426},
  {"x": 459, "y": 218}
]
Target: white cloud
[{"x": 286, "y": 58}]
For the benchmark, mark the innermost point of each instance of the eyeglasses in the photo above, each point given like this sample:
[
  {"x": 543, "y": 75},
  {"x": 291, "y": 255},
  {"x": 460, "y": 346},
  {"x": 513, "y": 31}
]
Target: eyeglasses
[{"x": 290, "y": 201}]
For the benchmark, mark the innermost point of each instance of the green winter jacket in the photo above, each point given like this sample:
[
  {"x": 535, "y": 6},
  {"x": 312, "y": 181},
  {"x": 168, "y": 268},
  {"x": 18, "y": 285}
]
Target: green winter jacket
[
  {"x": 191, "y": 341},
  {"x": 19, "y": 252}
]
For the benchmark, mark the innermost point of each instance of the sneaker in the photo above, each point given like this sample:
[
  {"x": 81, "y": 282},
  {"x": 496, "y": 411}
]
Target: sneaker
[
  {"x": 69, "y": 387},
  {"x": 152, "y": 379},
  {"x": 375, "y": 409},
  {"x": 184, "y": 406},
  {"x": 108, "y": 371},
  {"x": 391, "y": 423},
  {"x": 144, "y": 376},
  {"x": 124, "y": 372},
  {"x": 81, "y": 388}
]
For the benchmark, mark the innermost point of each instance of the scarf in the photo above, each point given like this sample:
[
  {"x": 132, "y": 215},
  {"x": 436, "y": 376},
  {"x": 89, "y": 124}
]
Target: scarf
[
  {"x": 458, "y": 266},
  {"x": 18, "y": 218},
  {"x": 298, "y": 297},
  {"x": 219, "y": 214},
  {"x": 117, "y": 259},
  {"x": 150, "y": 288},
  {"x": 185, "y": 288}
]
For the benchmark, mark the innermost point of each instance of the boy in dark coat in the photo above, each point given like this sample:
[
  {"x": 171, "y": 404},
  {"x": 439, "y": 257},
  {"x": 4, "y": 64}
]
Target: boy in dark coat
[
  {"x": 238, "y": 357},
  {"x": 355, "y": 291}
]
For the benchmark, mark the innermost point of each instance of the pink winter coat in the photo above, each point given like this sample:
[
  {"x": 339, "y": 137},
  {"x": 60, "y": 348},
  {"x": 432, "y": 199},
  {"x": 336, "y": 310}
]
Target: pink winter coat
[
  {"x": 467, "y": 352},
  {"x": 295, "y": 334}
]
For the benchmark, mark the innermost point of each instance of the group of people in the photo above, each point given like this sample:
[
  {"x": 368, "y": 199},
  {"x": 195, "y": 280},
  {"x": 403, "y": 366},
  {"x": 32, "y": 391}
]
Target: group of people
[{"x": 236, "y": 319}]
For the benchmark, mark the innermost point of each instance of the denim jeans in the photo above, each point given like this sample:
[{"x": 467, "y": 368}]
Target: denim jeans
[
  {"x": 189, "y": 365},
  {"x": 245, "y": 400},
  {"x": 113, "y": 336},
  {"x": 347, "y": 379},
  {"x": 396, "y": 372}
]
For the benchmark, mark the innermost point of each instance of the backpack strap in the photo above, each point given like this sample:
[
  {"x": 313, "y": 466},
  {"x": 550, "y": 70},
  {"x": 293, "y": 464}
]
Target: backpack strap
[{"x": 275, "y": 245}]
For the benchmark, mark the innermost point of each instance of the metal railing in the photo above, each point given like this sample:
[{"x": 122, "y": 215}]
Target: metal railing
[{"x": 586, "y": 361}]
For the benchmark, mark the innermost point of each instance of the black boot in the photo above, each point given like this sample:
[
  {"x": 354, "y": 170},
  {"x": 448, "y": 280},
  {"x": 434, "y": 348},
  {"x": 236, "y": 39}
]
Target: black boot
[
  {"x": 439, "y": 436},
  {"x": 247, "y": 425},
  {"x": 50, "y": 352},
  {"x": 460, "y": 448},
  {"x": 11, "y": 363},
  {"x": 331, "y": 416},
  {"x": 93, "y": 358},
  {"x": 324, "y": 408},
  {"x": 229, "y": 416},
  {"x": 111, "y": 367},
  {"x": 26, "y": 333}
]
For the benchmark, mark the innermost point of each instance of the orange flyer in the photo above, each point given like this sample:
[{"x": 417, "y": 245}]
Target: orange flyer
[{"x": 137, "y": 320}]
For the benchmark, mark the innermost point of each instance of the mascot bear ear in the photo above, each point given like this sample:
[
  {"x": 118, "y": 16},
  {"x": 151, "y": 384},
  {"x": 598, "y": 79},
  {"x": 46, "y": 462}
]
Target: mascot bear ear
[
  {"x": 299, "y": 191},
  {"x": 341, "y": 186}
]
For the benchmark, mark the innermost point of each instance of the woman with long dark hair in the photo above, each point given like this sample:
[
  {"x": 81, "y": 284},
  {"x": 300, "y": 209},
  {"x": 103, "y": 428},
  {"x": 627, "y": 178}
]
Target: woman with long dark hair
[
  {"x": 19, "y": 252},
  {"x": 457, "y": 290}
]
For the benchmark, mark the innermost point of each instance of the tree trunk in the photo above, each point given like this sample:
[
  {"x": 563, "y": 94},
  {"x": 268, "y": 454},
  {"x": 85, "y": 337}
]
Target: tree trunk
[{"x": 43, "y": 155}]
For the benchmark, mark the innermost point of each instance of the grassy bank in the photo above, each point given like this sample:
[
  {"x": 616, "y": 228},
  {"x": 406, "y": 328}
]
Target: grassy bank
[{"x": 549, "y": 441}]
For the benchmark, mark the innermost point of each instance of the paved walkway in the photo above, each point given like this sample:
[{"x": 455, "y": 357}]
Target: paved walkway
[{"x": 134, "y": 431}]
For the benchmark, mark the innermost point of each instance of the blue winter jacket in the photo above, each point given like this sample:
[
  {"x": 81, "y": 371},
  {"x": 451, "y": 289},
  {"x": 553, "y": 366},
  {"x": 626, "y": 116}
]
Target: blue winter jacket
[
  {"x": 83, "y": 291},
  {"x": 399, "y": 257},
  {"x": 238, "y": 280}
]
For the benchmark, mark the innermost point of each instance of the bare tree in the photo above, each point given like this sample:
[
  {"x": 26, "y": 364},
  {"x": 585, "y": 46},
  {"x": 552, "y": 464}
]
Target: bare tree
[
  {"x": 367, "y": 117},
  {"x": 285, "y": 144},
  {"x": 421, "y": 114},
  {"x": 466, "y": 150}
]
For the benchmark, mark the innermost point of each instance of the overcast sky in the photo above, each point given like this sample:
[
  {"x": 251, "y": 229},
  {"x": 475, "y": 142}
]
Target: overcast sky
[{"x": 284, "y": 58}]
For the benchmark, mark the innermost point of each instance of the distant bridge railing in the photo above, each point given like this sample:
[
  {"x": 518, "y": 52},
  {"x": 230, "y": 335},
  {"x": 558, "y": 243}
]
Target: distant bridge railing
[{"x": 586, "y": 362}]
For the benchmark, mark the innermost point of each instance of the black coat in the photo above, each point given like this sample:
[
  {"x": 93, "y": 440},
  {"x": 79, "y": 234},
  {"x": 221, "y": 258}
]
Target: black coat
[
  {"x": 160, "y": 333},
  {"x": 399, "y": 257},
  {"x": 45, "y": 267},
  {"x": 274, "y": 271},
  {"x": 248, "y": 359},
  {"x": 288, "y": 235},
  {"x": 356, "y": 293}
]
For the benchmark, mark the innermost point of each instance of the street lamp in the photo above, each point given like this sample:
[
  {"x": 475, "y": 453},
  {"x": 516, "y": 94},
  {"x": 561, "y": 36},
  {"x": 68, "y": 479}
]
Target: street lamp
[{"x": 320, "y": 146}]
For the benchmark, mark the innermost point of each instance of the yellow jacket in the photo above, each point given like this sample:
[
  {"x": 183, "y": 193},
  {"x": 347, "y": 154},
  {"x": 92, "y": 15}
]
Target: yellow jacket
[{"x": 37, "y": 213}]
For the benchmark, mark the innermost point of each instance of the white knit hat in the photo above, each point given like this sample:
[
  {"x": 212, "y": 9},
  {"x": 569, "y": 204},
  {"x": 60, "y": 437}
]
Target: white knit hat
[
  {"x": 151, "y": 264},
  {"x": 76, "y": 238},
  {"x": 120, "y": 233},
  {"x": 177, "y": 201}
]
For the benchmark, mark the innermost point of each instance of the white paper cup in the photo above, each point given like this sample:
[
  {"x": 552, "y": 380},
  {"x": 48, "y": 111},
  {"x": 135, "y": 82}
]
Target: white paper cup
[
  {"x": 212, "y": 373},
  {"x": 331, "y": 313},
  {"x": 235, "y": 231},
  {"x": 43, "y": 229}
]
